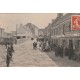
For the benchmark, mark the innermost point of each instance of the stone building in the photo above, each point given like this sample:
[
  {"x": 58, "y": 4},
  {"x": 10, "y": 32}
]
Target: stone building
[
  {"x": 19, "y": 34},
  {"x": 5, "y": 37},
  {"x": 25, "y": 32},
  {"x": 41, "y": 34},
  {"x": 3, "y": 34},
  {"x": 47, "y": 32},
  {"x": 31, "y": 30},
  {"x": 61, "y": 32},
  {"x": 36, "y": 31}
]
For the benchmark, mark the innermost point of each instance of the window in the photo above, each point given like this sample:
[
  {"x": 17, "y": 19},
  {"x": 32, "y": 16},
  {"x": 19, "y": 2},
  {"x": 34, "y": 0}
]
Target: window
[
  {"x": 69, "y": 26},
  {"x": 23, "y": 36},
  {"x": 18, "y": 37}
]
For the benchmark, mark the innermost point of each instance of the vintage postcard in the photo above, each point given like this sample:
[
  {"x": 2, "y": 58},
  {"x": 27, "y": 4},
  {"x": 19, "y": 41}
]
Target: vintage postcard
[{"x": 39, "y": 39}]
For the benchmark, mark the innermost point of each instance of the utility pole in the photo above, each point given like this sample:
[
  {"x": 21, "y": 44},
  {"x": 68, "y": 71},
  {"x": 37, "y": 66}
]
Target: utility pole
[
  {"x": 16, "y": 32},
  {"x": 50, "y": 34},
  {"x": 1, "y": 34}
]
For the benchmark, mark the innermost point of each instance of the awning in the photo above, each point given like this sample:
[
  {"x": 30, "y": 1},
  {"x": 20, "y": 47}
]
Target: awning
[
  {"x": 19, "y": 35},
  {"x": 66, "y": 35},
  {"x": 57, "y": 36}
]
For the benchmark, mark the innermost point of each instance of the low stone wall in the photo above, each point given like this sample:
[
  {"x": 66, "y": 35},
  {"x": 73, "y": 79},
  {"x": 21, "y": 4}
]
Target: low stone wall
[{"x": 21, "y": 40}]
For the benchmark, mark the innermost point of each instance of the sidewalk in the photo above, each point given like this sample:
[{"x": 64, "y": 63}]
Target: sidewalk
[
  {"x": 63, "y": 62},
  {"x": 3, "y": 53}
]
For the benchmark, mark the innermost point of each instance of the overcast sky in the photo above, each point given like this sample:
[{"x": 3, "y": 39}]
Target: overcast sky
[{"x": 41, "y": 20}]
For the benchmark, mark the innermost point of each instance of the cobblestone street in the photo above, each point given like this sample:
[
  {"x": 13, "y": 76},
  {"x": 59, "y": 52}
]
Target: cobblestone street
[
  {"x": 63, "y": 62},
  {"x": 25, "y": 56}
]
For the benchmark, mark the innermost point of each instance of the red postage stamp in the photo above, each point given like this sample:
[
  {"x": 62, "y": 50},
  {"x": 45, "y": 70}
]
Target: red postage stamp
[{"x": 75, "y": 21}]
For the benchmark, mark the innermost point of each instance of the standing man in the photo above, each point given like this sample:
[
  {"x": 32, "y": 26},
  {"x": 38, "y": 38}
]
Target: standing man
[
  {"x": 35, "y": 45},
  {"x": 71, "y": 52},
  {"x": 6, "y": 44},
  {"x": 61, "y": 51},
  {"x": 12, "y": 50},
  {"x": 66, "y": 51},
  {"x": 56, "y": 50},
  {"x": 9, "y": 55}
]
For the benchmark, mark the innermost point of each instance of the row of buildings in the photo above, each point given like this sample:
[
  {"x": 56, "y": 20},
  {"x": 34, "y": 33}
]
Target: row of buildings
[
  {"x": 4, "y": 36},
  {"x": 59, "y": 31},
  {"x": 22, "y": 33},
  {"x": 25, "y": 32}
]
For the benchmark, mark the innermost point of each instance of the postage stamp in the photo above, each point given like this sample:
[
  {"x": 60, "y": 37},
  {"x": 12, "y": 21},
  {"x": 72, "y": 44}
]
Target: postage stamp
[{"x": 75, "y": 22}]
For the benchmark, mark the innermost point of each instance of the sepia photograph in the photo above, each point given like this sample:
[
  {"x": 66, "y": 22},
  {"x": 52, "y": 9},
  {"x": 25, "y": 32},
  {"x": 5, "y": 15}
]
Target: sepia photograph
[{"x": 39, "y": 39}]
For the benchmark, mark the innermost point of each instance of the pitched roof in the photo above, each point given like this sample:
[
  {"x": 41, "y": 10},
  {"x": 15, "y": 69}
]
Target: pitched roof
[{"x": 63, "y": 18}]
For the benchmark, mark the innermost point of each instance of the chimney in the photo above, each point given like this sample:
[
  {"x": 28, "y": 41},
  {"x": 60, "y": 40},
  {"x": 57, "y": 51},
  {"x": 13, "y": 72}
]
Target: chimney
[
  {"x": 52, "y": 20},
  {"x": 59, "y": 14}
]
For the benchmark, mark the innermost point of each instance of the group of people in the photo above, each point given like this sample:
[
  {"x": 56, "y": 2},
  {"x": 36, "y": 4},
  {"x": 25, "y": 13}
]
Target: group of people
[
  {"x": 64, "y": 51},
  {"x": 60, "y": 50},
  {"x": 10, "y": 50},
  {"x": 43, "y": 45}
]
